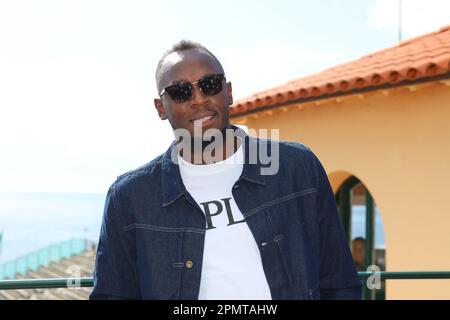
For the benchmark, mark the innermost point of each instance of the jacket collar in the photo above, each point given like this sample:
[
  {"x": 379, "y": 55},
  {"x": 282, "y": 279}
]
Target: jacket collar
[{"x": 172, "y": 183}]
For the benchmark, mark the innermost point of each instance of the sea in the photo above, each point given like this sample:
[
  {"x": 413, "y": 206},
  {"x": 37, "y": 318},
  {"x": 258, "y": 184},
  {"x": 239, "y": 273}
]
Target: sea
[{"x": 31, "y": 221}]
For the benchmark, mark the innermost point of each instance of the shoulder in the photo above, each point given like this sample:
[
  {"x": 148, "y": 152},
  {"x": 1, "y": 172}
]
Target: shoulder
[
  {"x": 299, "y": 154},
  {"x": 296, "y": 149},
  {"x": 294, "y": 159},
  {"x": 288, "y": 150}
]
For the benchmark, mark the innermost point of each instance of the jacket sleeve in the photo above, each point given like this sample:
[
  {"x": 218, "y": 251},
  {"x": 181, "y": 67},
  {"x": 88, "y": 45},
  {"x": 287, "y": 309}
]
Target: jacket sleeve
[
  {"x": 338, "y": 276},
  {"x": 115, "y": 274}
]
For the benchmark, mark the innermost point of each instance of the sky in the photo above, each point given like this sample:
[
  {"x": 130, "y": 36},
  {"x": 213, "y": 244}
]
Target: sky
[{"x": 77, "y": 77}]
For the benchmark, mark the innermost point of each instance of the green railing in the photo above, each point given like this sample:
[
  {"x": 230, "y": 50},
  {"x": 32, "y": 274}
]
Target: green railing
[
  {"x": 43, "y": 257},
  {"x": 88, "y": 282},
  {"x": 406, "y": 275},
  {"x": 44, "y": 283}
]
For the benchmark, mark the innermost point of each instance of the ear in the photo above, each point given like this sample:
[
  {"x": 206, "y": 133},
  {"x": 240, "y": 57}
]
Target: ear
[
  {"x": 160, "y": 108},
  {"x": 229, "y": 93}
]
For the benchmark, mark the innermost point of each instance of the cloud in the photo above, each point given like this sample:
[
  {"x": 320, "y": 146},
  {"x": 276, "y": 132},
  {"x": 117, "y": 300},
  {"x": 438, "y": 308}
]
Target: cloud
[
  {"x": 73, "y": 122},
  {"x": 63, "y": 122},
  {"x": 76, "y": 107},
  {"x": 76, "y": 85},
  {"x": 418, "y": 16}
]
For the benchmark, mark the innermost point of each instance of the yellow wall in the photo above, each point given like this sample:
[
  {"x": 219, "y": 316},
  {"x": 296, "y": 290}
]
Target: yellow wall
[{"x": 397, "y": 142}]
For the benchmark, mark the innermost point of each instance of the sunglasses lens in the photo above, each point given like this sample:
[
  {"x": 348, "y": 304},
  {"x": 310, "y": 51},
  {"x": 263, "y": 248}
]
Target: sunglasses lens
[
  {"x": 180, "y": 92},
  {"x": 211, "y": 85}
]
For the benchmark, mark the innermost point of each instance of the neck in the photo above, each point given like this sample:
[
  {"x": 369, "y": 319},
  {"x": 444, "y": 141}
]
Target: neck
[{"x": 210, "y": 151}]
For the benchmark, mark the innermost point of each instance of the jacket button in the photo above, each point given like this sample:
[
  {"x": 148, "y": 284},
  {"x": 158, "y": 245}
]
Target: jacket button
[{"x": 189, "y": 264}]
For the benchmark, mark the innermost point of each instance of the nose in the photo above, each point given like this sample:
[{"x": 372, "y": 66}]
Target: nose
[{"x": 198, "y": 99}]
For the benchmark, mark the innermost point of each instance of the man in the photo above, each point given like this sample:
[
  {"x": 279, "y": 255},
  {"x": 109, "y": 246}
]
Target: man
[
  {"x": 193, "y": 224},
  {"x": 358, "y": 253}
]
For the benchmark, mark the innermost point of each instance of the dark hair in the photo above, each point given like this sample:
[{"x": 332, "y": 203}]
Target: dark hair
[
  {"x": 359, "y": 239},
  {"x": 181, "y": 45}
]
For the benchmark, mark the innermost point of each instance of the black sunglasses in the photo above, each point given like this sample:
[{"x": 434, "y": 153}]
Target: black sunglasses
[{"x": 209, "y": 85}]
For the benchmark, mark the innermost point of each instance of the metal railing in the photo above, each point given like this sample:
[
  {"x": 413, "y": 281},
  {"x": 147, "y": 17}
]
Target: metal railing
[
  {"x": 406, "y": 275},
  {"x": 43, "y": 257},
  {"x": 88, "y": 282}
]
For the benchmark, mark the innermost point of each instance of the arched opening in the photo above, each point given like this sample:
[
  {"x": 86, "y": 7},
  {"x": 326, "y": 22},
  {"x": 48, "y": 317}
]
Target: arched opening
[{"x": 363, "y": 226}]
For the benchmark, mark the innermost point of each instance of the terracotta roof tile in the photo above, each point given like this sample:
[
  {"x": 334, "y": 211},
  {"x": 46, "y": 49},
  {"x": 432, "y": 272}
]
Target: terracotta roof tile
[{"x": 423, "y": 57}]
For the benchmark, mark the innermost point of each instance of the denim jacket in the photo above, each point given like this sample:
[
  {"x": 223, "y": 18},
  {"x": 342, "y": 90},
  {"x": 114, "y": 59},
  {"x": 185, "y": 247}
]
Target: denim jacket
[{"x": 153, "y": 232}]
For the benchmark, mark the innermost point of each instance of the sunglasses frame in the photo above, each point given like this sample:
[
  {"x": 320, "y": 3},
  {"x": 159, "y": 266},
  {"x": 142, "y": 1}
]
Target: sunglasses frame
[{"x": 222, "y": 75}]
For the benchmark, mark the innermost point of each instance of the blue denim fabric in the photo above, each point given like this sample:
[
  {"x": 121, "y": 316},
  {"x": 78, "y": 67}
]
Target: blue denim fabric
[{"x": 152, "y": 226}]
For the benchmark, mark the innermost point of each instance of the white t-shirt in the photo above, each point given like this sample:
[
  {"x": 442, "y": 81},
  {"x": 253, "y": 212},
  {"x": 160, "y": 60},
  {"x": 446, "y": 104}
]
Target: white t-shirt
[{"x": 232, "y": 267}]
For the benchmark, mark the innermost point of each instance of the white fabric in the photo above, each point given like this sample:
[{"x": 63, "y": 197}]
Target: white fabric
[{"x": 232, "y": 267}]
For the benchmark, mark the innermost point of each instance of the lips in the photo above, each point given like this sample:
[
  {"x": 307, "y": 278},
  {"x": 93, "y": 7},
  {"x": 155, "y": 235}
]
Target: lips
[{"x": 203, "y": 117}]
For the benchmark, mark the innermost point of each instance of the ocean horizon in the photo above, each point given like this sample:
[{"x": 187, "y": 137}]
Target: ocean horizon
[{"x": 31, "y": 221}]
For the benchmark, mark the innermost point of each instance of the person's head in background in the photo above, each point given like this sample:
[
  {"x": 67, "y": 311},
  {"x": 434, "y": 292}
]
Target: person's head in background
[
  {"x": 358, "y": 252},
  {"x": 192, "y": 88}
]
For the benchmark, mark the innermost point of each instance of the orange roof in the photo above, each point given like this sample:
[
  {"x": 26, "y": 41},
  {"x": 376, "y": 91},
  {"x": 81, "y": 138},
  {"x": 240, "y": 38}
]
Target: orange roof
[{"x": 422, "y": 58}]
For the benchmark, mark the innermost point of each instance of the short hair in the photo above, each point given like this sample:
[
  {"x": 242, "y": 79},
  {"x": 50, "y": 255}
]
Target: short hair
[
  {"x": 359, "y": 239},
  {"x": 181, "y": 45}
]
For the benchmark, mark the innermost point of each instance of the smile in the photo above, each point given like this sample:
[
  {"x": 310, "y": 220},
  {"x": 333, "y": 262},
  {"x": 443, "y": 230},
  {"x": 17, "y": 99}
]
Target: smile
[{"x": 204, "y": 118}]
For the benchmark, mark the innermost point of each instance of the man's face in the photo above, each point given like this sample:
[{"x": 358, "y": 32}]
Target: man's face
[
  {"x": 190, "y": 66},
  {"x": 358, "y": 248}
]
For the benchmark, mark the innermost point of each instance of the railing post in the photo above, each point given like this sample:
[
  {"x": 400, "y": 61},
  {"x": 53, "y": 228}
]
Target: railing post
[
  {"x": 369, "y": 243},
  {"x": 345, "y": 211},
  {"x": 344, "y": 205}
]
